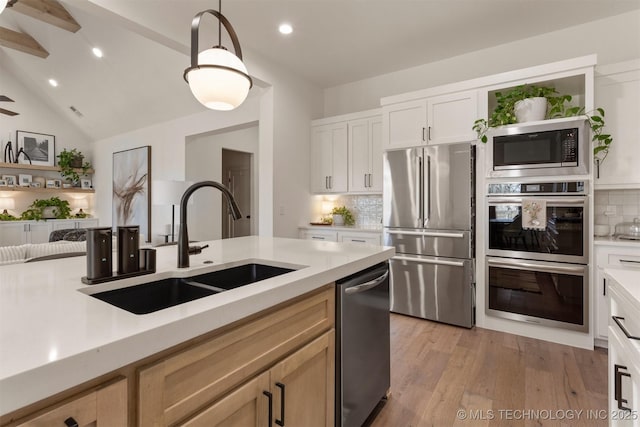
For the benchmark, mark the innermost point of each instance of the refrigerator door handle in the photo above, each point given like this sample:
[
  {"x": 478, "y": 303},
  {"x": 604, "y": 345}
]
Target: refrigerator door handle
[
  {"x": 429, "y": 261},
  {"x": 427, "y": 233},
  {"x": 428, "y": 189},
  {"x": 420, "y": 191}
]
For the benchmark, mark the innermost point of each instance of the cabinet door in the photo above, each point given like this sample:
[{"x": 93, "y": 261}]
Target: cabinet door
[
  {"x": 360, "y": 237},
  {"x": 303, "y": 385},
  {"x": 329, "y": 158},
  {"x": 38, "y": 232},
  {"x": 375, "y": 141},
  {"x": 13, "y": 233},
  {"x": 360, "y": 152},
  {"x": 326, "y": 235},
  {"x": 63, "y": 224},
  {"x": 87, "y": 223},
  {"x": 618, "y": 93},
  {"x": 404, "y": 124},
  {"x": 451, "y": 116},
  {"x": 601, "y": 330},
  {"x": 247, "y": 406}
]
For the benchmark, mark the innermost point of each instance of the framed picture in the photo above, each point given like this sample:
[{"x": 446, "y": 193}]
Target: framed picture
[
  {"x": 10, "y": 179},
  {"x": 51, "y": 183},
  {"x": 85, "y": 183},
  {"x": 3, "y": 182},
  {"x": 131, "y": 197},
  {"x": 39, "y": 147},
  {"x": 24, "y": 180},
  {"x": 35, "y": 185},
  {"x": 57, "y": 183}
]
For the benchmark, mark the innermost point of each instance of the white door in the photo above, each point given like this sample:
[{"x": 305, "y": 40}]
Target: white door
[{"x": 239, "y": 182}]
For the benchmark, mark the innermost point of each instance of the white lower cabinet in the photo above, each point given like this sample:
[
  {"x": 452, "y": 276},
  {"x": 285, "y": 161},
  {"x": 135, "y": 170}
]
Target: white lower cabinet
[
  {"x": 360, "y": 237},
  {"x": 624, "y": 361},
  {"x": 13, "y": 233},
  {"x": 608, "y": 256},
  {"x": 21, "y": 232},
  {"x": 326, "y": 235}
]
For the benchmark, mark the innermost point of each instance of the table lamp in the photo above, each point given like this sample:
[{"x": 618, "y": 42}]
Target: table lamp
[{"x": 6, "y": 203}]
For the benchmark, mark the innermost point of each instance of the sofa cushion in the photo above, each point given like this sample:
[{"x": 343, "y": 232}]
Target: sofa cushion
[
  {"x": 41, "y": 249},
  {"x": 12, "y": 254}
]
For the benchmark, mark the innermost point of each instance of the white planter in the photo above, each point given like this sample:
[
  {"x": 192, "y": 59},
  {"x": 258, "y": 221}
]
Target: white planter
[
  {"x": 530, "y": 109},
  {"x": 338, "y": 220},
  {"x": 49, "y": 212}
]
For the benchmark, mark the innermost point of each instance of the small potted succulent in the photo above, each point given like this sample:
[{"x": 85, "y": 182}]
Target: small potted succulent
[{"x": 71, "y": 165}]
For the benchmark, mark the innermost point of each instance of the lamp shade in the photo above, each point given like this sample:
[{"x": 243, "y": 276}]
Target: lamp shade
[
  {"x": 222, "y": 84},
  {"x": 7, "y": 202},
  {"x": 3, "y": 4},
  {"x": 81, "y": 203},
  {"x": 168, "y": 192}
]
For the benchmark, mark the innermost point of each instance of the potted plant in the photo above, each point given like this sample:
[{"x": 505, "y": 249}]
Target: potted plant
[
  {"x": 72, "y": 166},
  {"x": 53, "y": 207},
  {"x": 505, "y": 114},
  {"x": 342, "y": 216}
]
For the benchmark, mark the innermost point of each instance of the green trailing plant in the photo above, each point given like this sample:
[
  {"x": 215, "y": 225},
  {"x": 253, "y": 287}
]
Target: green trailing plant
[
  {"x": 71, "y": 165},
  {"x": 559, "y": 106},
  {"x": 8, "y": 217},
  {"x": 35, "y": 211},
  {"x": 346, "y": 215}
]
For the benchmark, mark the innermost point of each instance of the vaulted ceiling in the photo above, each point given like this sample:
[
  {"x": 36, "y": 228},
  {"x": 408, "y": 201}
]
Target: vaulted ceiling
[{"x": 146, "y": 45}]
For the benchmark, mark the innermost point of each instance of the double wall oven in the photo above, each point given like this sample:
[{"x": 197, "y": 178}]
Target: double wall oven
[{"x": 538, "y": 251}]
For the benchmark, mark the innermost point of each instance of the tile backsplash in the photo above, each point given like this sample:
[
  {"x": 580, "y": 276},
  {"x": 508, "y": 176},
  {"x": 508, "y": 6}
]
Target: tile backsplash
[
  {"x": 366, "y": 209},
  {"x": 615, "y": 206}
]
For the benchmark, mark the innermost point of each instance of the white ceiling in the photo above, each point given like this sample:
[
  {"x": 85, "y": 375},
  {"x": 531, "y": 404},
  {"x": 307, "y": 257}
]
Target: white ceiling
[{"x": 146, "y": 44}]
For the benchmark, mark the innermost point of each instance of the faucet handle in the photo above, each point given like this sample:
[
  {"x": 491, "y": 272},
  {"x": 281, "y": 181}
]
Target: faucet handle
[{"x": 194, "y": 250}]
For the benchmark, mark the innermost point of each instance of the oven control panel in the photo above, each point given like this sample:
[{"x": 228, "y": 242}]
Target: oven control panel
[{"x": 538, "y": 188}]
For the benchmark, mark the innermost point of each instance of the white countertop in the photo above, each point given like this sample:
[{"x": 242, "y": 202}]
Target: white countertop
[
  {"x": 53, "y": 336},
  {"x": 628, "y": 280},
  {"x": 612, "y": 241}
]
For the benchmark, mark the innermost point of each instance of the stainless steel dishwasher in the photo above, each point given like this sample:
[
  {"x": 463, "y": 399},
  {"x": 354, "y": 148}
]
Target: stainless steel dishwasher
[{"x": 363, "y": 372}]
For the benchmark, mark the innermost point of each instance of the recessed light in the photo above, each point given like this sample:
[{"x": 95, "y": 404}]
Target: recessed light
[
  {"x": 285, "y": 28},
  {"x": 97, "y": 52},
  {"x": 53, "y": 82}
]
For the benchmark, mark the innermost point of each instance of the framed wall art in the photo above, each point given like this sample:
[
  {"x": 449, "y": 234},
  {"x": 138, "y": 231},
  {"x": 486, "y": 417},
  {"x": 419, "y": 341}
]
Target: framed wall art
[
  {"x": 10, "y": 180},
  {"x": 39, "y": 147},
  {"x": 131, "y": 198},
  {"x": 24, "y": 180},
  {"x": 85, "y": 183}
]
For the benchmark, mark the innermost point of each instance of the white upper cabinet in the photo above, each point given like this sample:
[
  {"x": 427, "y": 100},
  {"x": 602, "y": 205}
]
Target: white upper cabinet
[
  {"x": 449, "y": 117},
  {"x": 404, "y": 124},
  {"x": 439, "y": 119},
  {"x": 617, "y": 91},
  {"x": 365, "y": 155},
  {"x": 328, "y": 158}
]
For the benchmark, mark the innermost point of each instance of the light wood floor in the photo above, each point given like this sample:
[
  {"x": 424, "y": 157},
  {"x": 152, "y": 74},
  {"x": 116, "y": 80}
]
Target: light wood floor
[{"x": 497, "y": 378}]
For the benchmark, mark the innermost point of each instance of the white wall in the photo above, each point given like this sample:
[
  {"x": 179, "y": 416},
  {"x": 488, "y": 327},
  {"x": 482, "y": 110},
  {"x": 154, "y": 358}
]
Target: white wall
[
  {"x": 613, "y": 39},
  {"x": 204, "y": 162},
  {"x": 167, "y": 141},
  {"x": 35, "y": 116}
]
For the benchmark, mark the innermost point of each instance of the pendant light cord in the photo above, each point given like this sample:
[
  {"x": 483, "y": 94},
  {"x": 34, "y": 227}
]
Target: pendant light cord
[{"x": 219, "y": 24}]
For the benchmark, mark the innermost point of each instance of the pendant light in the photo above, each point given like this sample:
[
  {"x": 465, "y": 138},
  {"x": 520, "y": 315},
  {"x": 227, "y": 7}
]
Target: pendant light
[{"x": 217, "y": 78}]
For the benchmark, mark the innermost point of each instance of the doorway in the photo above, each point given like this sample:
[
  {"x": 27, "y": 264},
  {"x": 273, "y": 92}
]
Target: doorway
[{"x": 236, "y": 173}]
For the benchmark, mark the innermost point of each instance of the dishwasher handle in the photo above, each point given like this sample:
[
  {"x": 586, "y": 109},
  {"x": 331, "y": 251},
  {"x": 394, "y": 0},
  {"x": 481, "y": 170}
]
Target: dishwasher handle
[{"x": 367, "y": 285}]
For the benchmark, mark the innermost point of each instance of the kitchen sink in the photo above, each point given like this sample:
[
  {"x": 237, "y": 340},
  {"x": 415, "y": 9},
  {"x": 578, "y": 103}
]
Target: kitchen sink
[
  {"x": 154, "y": 296},
  {"x": 235, "y": 277}
]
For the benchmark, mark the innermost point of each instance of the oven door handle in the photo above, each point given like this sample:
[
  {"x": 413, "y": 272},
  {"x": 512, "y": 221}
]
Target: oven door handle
[
  {"x": 429, "y": 261},
  {"x": 515, "y": 200},
  {"x": 523, "y": 265}
]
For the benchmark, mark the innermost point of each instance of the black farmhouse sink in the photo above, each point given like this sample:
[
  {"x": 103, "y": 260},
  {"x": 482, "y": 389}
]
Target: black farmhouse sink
[{"x": 161, "y": 294}]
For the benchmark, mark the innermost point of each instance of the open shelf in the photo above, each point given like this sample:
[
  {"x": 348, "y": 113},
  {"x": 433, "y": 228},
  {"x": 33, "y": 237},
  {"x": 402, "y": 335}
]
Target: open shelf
[
  {"x": 37, "y": 167},
  {"x": 48, "y": 190}
]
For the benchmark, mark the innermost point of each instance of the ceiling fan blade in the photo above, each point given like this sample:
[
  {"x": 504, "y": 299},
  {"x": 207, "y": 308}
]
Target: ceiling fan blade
[
  {"x": 8, "y": 113},
  {"x": 5, "y": 98}
]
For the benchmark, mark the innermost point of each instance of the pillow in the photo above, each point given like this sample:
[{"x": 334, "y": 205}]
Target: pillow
[
  {"x": 78, "y": 235},
  {"x": 42, "y": 249},
  {"x": 12, "y": 254}
]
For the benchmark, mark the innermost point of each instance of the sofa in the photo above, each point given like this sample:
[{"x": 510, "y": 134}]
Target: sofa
[{"x": 31, "y": 252}]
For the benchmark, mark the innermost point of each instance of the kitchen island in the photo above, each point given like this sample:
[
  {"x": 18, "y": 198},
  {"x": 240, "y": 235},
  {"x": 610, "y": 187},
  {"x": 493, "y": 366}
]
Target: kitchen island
[{"x": 53, "y": 336}]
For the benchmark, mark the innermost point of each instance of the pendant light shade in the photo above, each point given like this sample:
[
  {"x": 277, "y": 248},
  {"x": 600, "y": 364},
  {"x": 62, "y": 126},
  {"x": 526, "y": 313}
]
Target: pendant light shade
[
  {"x": 217, "y": 78},
  {"x": 3, "y": 4}
]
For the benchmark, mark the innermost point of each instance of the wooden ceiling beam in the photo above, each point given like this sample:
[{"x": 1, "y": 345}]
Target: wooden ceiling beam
[
  {"x": 49, "y": 11},
  {"x": 22, "y": 42}
]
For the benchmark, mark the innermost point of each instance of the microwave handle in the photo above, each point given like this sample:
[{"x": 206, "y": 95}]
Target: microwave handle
[
  {"x": 512, "y": 200},
  {"x": 523, "y": 265}
]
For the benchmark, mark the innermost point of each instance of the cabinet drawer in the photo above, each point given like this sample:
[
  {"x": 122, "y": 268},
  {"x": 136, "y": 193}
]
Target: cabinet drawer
[
  {"x": 366, "y": 238},
  {"x": 624, "y": 260},
  {"x": 323, "y": 235},
  {"x": 180, "y": 385},
  {"x": 105, "y": 406}
]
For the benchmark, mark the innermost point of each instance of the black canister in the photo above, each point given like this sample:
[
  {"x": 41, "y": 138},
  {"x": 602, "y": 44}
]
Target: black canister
[
  {"x": 148, "y": 260},
  {"x": 99, "y": 255},
  {"x": 128, "y": 245}
]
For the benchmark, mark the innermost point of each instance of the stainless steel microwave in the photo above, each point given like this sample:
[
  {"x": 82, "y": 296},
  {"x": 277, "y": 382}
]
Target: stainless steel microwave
[{"x": 560, "y": 147}]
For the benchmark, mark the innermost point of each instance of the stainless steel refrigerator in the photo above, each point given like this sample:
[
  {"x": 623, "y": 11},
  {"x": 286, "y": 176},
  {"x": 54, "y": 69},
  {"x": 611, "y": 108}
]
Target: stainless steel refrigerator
[{"x": 429, "y": 216}]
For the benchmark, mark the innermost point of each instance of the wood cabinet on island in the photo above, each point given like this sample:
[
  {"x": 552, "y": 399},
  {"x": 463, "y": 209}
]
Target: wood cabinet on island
[{"x": 276, "y": 331}]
